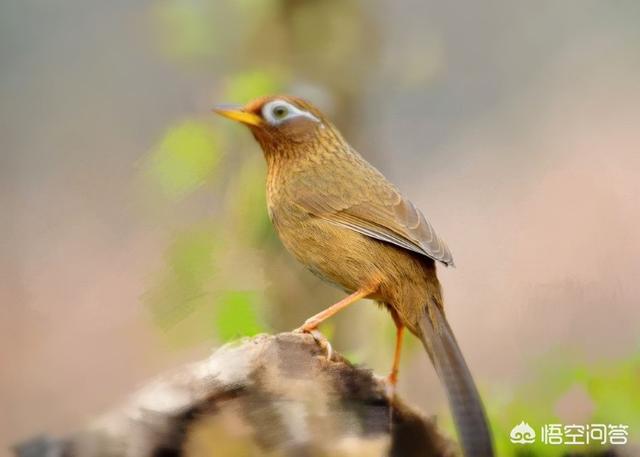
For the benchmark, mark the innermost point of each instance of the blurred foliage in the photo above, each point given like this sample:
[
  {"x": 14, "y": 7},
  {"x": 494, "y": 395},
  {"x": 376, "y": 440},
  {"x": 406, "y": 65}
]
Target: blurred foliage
[
  {"x": 189, "y": 303},
  {"x": 237, "y": 315},
  {"x": 249, "y": 85},
  {"x": 246, "y": 207},
  {"x": 224, "y": 275},
  {"x": 200, "y": 32},
  {"x": 215, "y": 293},
  {"x": 183, "y": 287},
  {"x": 185, "y": 158},
  {"x": 186, "y": 31},
  {"x": 611, "y": 388}
]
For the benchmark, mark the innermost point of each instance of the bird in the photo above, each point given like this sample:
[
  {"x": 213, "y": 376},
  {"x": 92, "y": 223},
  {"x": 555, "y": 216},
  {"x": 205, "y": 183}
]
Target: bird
[{"x": 346, "y": 223}]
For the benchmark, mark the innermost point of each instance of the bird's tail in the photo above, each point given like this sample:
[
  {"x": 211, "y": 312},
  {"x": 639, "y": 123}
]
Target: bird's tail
[{"x": 464, "y": 400}]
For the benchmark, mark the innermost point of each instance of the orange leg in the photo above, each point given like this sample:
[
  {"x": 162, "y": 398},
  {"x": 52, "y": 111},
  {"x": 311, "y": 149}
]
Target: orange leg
[
  {"x": 393, "y": 376},
  {"x": 313, "y": 322}
]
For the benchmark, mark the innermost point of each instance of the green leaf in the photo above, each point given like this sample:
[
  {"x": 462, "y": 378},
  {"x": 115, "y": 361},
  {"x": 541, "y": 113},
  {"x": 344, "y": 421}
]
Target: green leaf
[
  {"x": 236, "y": 315},
  {"x": 186, "y": 156}
]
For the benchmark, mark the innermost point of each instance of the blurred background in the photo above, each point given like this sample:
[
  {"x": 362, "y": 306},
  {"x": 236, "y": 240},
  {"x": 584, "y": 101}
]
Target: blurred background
[{"x": 135, "y": 235}]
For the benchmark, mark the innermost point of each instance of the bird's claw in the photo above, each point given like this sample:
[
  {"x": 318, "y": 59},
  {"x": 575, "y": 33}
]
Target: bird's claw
[{"x": 322, "y": 341}]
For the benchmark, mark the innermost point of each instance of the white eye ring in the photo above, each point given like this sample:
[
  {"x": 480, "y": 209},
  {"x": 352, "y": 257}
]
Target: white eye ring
[{"x": 278, "y": 111}]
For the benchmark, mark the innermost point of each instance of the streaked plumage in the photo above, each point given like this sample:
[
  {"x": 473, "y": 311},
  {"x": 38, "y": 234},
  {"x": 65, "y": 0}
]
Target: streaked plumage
[{"x": 341, "y": 218}]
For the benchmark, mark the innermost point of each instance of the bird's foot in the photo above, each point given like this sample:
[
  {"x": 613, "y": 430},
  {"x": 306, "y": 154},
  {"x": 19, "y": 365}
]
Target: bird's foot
[{"x": 322, "y": 340}]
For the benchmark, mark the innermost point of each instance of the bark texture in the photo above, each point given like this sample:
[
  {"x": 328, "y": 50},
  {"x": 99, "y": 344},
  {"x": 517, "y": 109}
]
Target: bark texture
[{"x": 271, "y": 395}]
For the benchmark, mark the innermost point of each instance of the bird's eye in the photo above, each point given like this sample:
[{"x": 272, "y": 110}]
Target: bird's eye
[
  {"x": 277, "y": 112},
  {"x": 280, "y": 112}
]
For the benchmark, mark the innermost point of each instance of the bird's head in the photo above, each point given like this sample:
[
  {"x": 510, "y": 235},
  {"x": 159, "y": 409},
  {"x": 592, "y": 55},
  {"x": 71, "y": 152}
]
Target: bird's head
[{"x": 279, "y": 123}]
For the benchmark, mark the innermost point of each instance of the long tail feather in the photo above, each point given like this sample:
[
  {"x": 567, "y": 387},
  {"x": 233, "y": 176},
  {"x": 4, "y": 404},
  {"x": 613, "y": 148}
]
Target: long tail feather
[{"x": 464, "y": 400}]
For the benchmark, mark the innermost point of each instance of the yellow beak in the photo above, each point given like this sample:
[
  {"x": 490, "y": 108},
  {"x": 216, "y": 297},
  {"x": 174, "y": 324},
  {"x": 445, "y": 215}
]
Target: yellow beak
[{"x": 236, "y": 113}]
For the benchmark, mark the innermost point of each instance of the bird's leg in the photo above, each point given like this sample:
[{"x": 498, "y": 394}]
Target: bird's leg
[
  {"x": 315, "y": 320},
  {"x": 392, "y": 379},
  {"x": 311, "y": 324}
]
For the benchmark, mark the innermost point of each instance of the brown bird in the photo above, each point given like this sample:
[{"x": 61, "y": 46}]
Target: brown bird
[{"x": 346, "y": 223}]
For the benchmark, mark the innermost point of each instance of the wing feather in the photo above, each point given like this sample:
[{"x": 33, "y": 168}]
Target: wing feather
[{"x": 371, "y": 205}]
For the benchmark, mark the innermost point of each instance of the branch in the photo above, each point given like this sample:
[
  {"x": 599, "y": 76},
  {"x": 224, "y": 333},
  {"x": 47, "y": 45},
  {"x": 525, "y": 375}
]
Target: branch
[{"x": 268, "y": 395}]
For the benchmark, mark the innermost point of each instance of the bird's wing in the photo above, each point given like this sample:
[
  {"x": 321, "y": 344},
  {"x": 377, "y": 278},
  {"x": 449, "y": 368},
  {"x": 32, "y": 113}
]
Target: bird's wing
[{"x": 374, "y": 207}]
